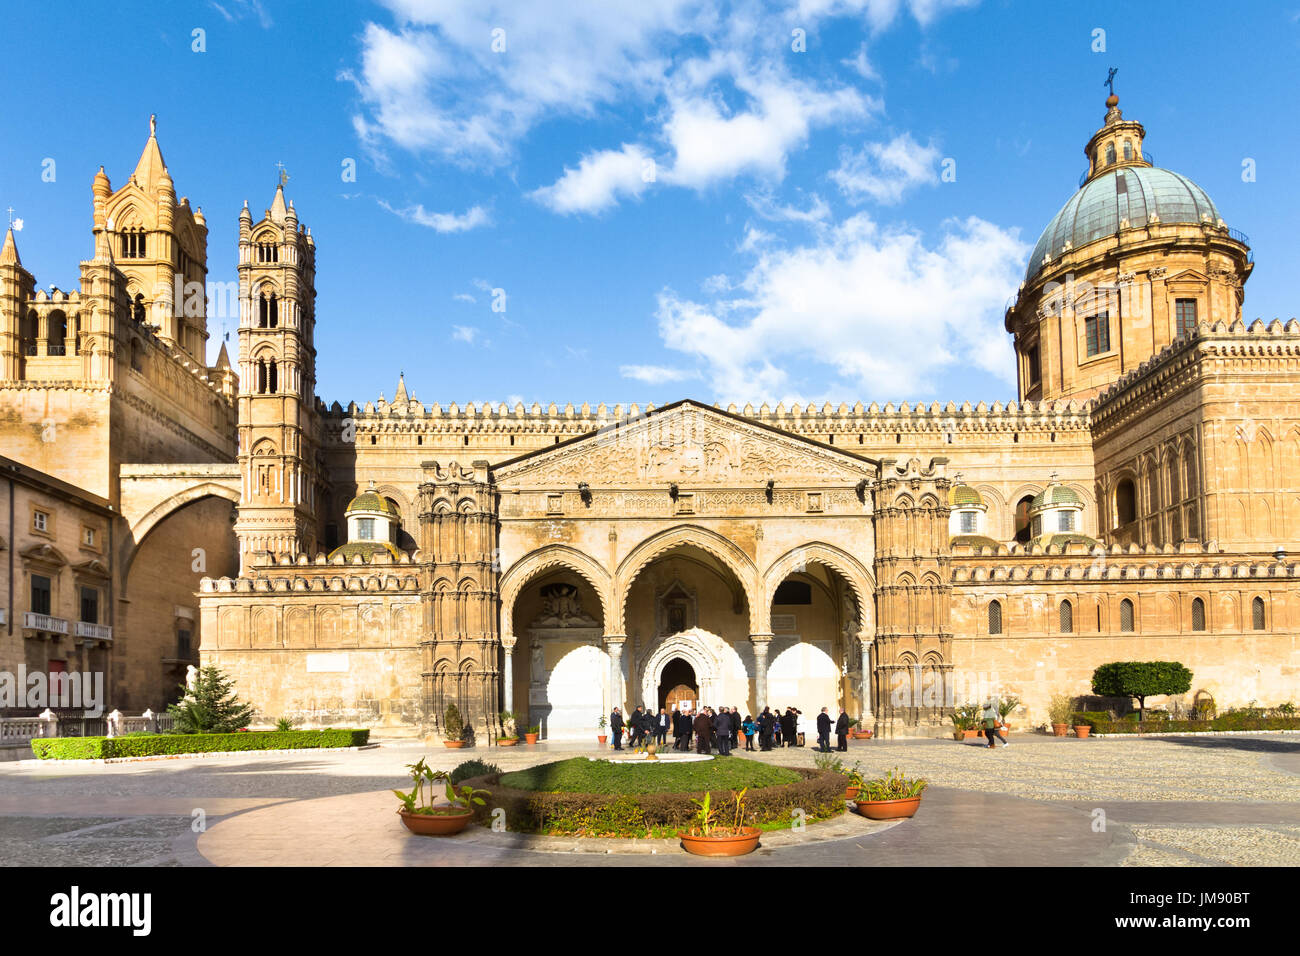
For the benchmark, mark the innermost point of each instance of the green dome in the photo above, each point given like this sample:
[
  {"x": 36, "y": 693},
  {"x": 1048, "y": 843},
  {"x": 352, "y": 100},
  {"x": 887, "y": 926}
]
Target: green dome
[
  {"x": 1056, "y": 496},
  {"x": 370, "y": 501},
  {"x": 1130, "y": 192},
  {"x": 964, "y": 495}
]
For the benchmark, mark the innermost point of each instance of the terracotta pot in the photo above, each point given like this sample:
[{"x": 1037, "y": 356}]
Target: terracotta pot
[
  {"x": 1082, "y": 730},
  {"x": 530, "y": 738},
  {"x": 1002, "y": 732},
  {"x": 851, "y": 792},
  {"x": 453, "y": 744},
  {"x": 436, "y": 824},
  {"x": 888, "y": 809},
  {"x": 507, "y": 741},
  {"x": 601, "y": 739},
  {"x": 970, "y": 734},
  {"x": 746, "y": 841},
  {"x": 1059, "y": 730}
]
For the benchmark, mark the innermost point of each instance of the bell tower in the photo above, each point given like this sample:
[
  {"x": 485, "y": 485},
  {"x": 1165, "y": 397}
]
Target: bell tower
[{"x": 277, "y": 383}]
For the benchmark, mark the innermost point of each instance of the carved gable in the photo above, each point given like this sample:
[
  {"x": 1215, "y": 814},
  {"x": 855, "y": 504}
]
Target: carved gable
[{"x": 688, "y": 444}]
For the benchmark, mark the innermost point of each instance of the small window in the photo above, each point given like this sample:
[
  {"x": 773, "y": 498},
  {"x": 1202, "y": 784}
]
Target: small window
[
  {"x": 88, "y": 537},
  {"x": 1128, "y": 149},
  {"x": 1110, "y": 154},
  {"x": 183, "y": 640},
  {"x": 1257, "y": 614},
  {"x": 1098, "y": 333},
  {"x": 1031, "y": 360},
  {"x": 967, "y": 522},
  {"x": 995, "y": 617},
  {"x": 1023, "y": 523},
  {"x": 1185, "y": 317},
  {"x": 1067, "y": 618},
  {"x": 1126, "y": 616},
  {"x": 1198, "y": 614},
  {"x": 793, "y": 592},
  {"x": 365, "y": 529},
  {"x": 40, "y": 594},
  {"x": 1067, "y": 520},
  {"x": 41, "y": 521},
  {"x": 90, "y": 605},
  {"x": 1125, "y": 503},
  {"x": 1036, "y": 527}
]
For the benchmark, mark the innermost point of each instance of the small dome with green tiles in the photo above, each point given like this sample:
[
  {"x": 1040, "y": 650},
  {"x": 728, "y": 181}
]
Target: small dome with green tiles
[
  {"x": 1056, "y": 495},
  {"x": 965, "y": 496},
  {"x": 371, "y": 500}
]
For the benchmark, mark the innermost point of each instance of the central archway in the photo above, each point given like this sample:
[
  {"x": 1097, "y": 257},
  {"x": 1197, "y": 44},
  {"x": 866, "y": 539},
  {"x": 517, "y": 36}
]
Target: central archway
[
  {"x": 699, "y": 650},
  {"x": 677, "y": 685}
]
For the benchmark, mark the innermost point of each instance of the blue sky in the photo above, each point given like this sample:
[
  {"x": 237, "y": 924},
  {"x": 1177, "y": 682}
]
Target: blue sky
[{"x": 672, "y": 200}]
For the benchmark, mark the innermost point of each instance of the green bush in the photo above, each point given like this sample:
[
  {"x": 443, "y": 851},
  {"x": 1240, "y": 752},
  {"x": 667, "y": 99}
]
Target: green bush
[
  {"x": 1091, "y": 718},
  {"x": 1230, "y": 721},
  {"x": 210, "y": 706},
  {"x": 1141, "y": 679},
  {"x": 818, "y": 795},
  {"x": 580, "y": 775},
  {"x": 82, "y": 748},
  {"x": 472, "y": 768}
]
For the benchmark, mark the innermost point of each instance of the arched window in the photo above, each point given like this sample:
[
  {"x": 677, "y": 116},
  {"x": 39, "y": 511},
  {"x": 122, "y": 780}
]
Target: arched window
[
  {"x": 995, "y": 617},
  {"x": 56, "y": 332},
  {"x": 263, "y": 312},
  {"x": 1125, "y": 503},
  {"x": 1198, "y": 614},
  {"x": 261, "y": 377},
  {"x": 1126, "y": 616},
  {"x": 1128, "y": 149},
  {"x": 1110, "y": 153},
  {"x": 30, "y": 330},
  {"x": 1023, "y": 524},
  {"x": 1175, "y": 494},
  {"x": 1257, "y": 614},
  {"x": 1067, "y": 618},
  {"x": 1153, "y": 492},
  {"x": 273, "y": 378},
  {"x": 275, "y": 311}
]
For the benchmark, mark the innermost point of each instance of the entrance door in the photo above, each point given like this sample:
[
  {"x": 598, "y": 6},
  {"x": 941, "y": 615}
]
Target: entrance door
[{"x": 677, "y": 685}]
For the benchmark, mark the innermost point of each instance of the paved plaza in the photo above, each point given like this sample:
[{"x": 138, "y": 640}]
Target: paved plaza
[{"x": 1177, "y": 801}]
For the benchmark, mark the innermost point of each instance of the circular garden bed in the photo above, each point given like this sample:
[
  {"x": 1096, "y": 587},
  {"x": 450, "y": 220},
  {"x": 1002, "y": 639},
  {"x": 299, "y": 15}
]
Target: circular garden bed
[{"x": 581, "y": 797}]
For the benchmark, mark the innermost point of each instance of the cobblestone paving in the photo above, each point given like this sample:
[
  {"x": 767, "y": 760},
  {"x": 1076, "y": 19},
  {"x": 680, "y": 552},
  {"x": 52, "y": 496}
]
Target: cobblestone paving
[{"x": 1172, "y": 802}]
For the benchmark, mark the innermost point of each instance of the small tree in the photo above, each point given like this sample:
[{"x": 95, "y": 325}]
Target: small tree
[
  {"x": 453, "y": 727},
  {"x": 211, "y": 706},
  {"x": 1141, "y": 679}
]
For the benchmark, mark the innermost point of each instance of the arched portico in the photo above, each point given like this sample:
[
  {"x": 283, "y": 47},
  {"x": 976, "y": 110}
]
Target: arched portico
[{"x": 707, "y": 654}]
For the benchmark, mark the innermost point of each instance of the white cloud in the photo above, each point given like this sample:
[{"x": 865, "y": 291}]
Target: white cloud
[
  {"x": 441, "y": 221},
  {"x": 244, "y": 8},
  {"x": 464, "y": 297},
  {"x": 880, "y": 14},
  {"x": 599, "y": 180},
  {"x": 883, "y": 310},
  {"x": 464, "y": 333},
  {"x": 656, "y": 374},
  {"x": 766, "y": 206},
  {"x": 861, "y": 65},
  {"x": 885, "y": 172}
]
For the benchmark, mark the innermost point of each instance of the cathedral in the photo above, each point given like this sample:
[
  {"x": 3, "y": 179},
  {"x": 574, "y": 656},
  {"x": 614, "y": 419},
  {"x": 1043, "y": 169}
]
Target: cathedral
[{"x": 369, "y": 564}]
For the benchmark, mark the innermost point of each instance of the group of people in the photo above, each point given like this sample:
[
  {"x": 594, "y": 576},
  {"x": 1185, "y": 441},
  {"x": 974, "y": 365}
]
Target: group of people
[{"x": 720, "y": 729}]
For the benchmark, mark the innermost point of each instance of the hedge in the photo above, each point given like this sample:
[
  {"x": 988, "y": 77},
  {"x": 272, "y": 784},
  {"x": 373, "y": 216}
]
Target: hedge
[
  {"x": 582, "y": 775},
  {"x": 1220, "y": 724},
  {"x": 819, "y": 795},
  {"x": 83, "y": 748}
]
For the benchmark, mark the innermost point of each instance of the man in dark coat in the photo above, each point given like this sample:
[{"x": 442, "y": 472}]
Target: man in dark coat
[
  {"x": 616, "y": 728},
  {"x": 788, "y": 726},
  {"x": 735, "y": 726},
  {"x": 703, "y": 729},
  {"x": 842, "y": 731},
  {"x": 661, "y": 727},
  {"x": 636, "y": 726},
  {"x": 722, "y": 732},
  {"x": 766, "y": 724},
  {"x": 824, "y": 732}
]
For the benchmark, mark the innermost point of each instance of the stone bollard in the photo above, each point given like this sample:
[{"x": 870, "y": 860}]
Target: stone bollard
[
  {"x": 150, "y": 721},
  {"x": 115, "y": 723},
  {"x": 51, "y": 726}
]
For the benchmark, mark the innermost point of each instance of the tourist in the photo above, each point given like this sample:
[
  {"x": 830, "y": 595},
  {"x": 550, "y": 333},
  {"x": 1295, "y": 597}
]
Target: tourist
[
  {"x": 788, "y": 727},
  {"x": 616, "y": 728},
  {"x": 734, "y": 715},
  {"x": 722, "y": 732},
  {"x": 750, "y": 728},
  {"x": 703, "y": 728},
  {"x": 842, "y": 731},
  {"x": 638, "y": 728},
  {"x": 661, "y": 727},
  {"x": 776, "y": 728},
  {"x": 824, "y": 731},
  {"x": 677, "y": 729},
  {"x": 991, "y": 722},
  {"x": 766, "y": 726}
]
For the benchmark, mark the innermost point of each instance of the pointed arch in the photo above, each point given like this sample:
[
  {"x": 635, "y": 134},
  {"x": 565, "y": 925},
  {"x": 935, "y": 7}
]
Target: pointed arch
[
  {"x": 859, "y": 578},
  {"x": 543, "y": 560}
]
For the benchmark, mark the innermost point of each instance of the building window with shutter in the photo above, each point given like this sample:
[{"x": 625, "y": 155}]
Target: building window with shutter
[
  {"x": 1198, "y": 614},
  {"x": 968, "y": 522},
  {"x": 1097, "y": 329},
  {"x": 1185, "y": 316},
  {"x": 41, "y": 591},
  {"x": 1067, "y": 618},
  {"x": 995, "y": 617},
  {"x": 1257, "y": 614},
  {"x": 1126, "y": 616}
]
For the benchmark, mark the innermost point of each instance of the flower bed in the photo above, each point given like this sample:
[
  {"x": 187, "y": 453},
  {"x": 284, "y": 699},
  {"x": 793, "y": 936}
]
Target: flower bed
[
  {"x": 150, "y": 745},
  {"x": 817, "y": 794}
]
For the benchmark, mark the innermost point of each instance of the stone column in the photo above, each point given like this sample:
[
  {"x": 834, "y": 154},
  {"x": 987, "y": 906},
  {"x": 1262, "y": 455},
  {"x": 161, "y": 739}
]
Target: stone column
[
  {"x": 866, "y": 643},
  {"x": 508, "y": 645},
  {"x": 614, "y": 647},
  {"x": 761, "y": 643}
]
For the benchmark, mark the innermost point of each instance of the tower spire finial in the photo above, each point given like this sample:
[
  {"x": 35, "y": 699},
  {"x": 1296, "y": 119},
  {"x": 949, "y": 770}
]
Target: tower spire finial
[{"x": 153, "y": 124}]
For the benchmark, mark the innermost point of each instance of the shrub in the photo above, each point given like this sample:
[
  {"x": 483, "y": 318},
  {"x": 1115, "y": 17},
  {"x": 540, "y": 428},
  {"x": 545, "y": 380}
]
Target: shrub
[
  {"x": 1141, "y": 679},
  {"x": 473, "y": 768},
  {"x": 580, "y": 775},
  {"x": 1096, "y": 719},
  {"x": 818, "y": 795},
  {"x": 210, "y": 706},
  {"x": 1059, "y": 708},
  {"x": 81, "y": 748}
]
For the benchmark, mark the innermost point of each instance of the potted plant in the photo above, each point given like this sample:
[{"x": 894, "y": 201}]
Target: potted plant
[
  {"x": 859, "y": 732},
  {"x": 509, "y": 735},
  {"x": 709, "y": 837},
  {"x": 530, "y": 735},
  {"x": 601, "y": 723},
  {"x": 419, "y": 813},
  {"x": 1059, "y": 709},
  {"x": 891, "y": 797},
  {"x": 1081, "y": 726},
  {"x": 856, "y": 779},
  {"x": 1005, "y": 707},
  {"x": 453, "y": 728},
  {"x": 958, "y": 719}
]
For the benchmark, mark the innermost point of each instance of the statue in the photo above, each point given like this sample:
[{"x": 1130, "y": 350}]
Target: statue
[{"x": 191, "y": 677}]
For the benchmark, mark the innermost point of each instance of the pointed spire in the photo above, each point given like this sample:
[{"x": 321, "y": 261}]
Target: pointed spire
[
  {"x": 278, "y": 209},
  {"x": 151, "y": 170},
  {"x": 401, "y": 398},
  {"x": 223, "y": 360},
  {"x": 9, "y": 253}
]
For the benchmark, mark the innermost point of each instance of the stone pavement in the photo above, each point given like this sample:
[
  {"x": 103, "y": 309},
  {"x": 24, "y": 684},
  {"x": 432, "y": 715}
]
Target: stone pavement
[{"x": 1233, "y": 801}]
